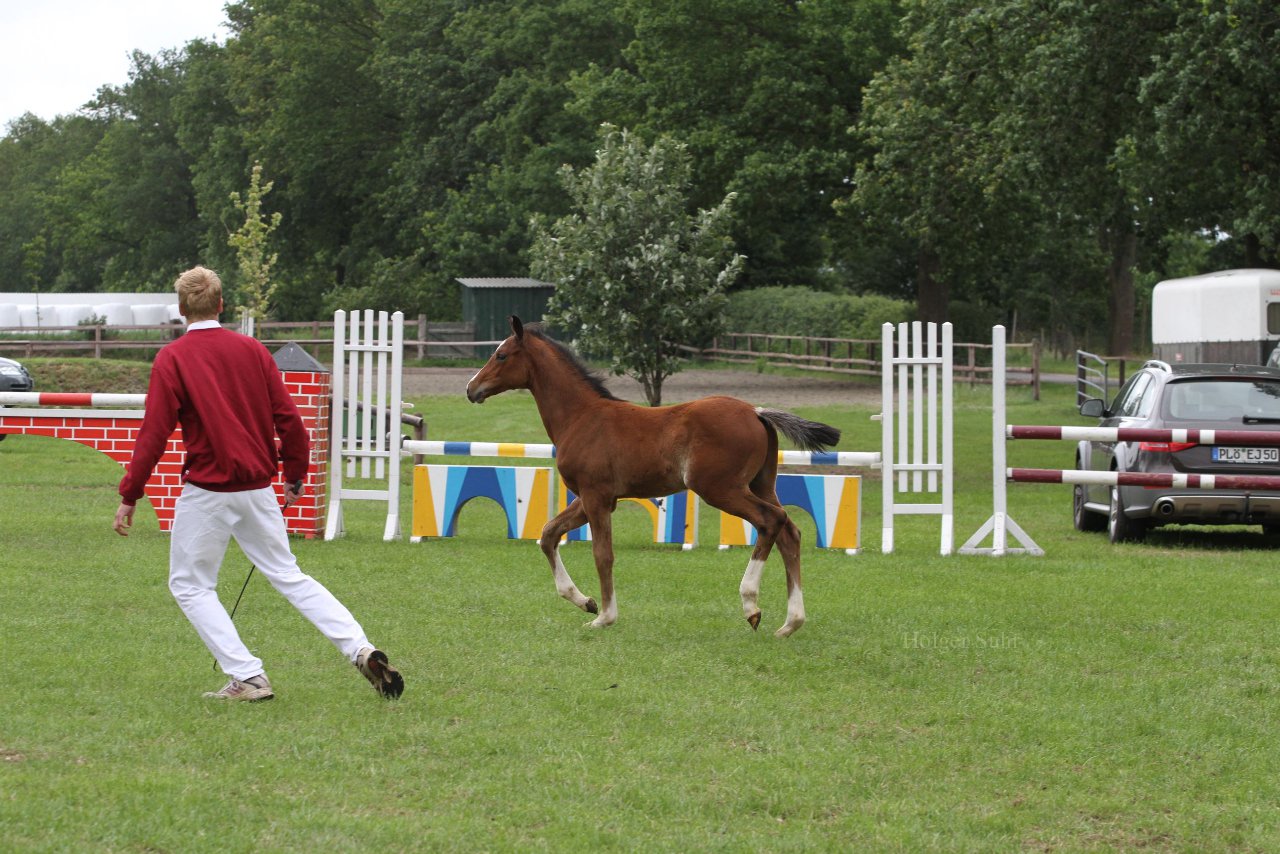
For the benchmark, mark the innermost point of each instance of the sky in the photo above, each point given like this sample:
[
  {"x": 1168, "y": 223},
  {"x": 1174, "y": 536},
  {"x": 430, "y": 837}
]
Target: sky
[{"x": 56, "y": 54}]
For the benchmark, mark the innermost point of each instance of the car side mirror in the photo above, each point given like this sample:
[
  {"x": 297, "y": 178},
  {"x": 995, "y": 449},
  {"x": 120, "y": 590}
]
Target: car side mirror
[{"x": 1093, "y": 408}]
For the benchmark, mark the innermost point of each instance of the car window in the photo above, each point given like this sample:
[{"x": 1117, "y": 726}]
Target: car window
[
  {"x": 1147, "y": 402},
  {"x": 1128, "y": 402},
  {"x": 1223, "y": 400},
  {"x": 1123, "y": 394}
]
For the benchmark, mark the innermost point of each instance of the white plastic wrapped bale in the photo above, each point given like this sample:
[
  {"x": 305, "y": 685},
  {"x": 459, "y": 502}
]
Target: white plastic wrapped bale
[
  {"x": 31, "y": 316},
  {"x": 9, "y": 317},
  {"x": 74, "y": 315},
  {"x": 116, "y": 313},
  {"x": 151, "y": 314},
  {"x": 175, "y": 316}
]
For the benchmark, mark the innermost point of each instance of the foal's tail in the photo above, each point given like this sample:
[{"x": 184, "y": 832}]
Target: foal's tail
[{"x": 805, "y": 434}]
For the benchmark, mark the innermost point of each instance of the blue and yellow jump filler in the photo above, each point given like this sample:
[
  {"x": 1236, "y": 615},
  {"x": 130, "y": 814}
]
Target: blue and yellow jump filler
[
  {"x": 527, "y": 495},
  {"x": 675, "y": 518},
  {"x": 439, "y": 491},
  {"x": 833, "y": 501}
]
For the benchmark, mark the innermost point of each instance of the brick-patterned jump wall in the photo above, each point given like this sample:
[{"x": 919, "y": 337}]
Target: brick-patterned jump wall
[
  {"x": 310, "y": 390},
  {"x": 114, "y": 431}
]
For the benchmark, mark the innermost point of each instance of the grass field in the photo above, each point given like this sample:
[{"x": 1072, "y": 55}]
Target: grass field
[{"x": 1097, "y": 698}]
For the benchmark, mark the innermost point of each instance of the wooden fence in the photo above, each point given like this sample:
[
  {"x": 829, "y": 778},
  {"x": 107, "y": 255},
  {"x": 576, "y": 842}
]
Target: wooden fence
[
  {"x": 434, "y": 340},
  {"x": 860, "y": 357},
  {"x": 851, "y": 356}
]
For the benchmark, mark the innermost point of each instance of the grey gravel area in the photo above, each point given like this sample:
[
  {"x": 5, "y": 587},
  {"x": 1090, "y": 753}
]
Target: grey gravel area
[{"x": 761, "y": 389}]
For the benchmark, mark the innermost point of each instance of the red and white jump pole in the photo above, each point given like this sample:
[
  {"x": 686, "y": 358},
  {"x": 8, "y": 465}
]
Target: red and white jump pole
[
  {"x": 47, "y": 398},
  {"x": 1142, "y": 434},
  {"x": 1166, "y": 480}
]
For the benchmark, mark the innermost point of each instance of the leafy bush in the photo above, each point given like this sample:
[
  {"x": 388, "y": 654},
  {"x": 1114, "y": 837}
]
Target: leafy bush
[
  {"x": 88, "y": 324},
  {"x": 800, "y": 310}
]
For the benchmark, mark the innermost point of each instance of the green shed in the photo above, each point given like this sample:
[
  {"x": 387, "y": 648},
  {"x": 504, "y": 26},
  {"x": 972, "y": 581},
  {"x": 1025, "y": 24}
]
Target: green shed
[{"x": 487, "y": 303}]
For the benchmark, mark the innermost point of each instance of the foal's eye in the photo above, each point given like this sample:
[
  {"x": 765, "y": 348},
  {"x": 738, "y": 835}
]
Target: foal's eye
[{"x": 501, "y": 357}]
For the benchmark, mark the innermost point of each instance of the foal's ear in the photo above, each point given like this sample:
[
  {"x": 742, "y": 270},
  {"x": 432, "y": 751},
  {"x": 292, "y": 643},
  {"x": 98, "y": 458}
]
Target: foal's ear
[{"x": 517, "y": 328}]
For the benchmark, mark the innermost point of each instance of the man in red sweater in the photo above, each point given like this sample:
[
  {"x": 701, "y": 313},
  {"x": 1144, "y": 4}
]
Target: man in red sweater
[{"x": 226, "y": 392}]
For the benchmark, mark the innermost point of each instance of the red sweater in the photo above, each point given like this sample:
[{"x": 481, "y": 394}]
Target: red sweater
[{"x": 226, "y": 391}]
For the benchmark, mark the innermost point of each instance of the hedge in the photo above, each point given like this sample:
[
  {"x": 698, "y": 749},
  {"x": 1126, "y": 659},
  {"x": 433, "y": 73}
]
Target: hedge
[{"x": 799, "y": 310}]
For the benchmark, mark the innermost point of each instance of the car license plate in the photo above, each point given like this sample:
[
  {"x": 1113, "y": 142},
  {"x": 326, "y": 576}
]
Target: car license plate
[{"x": 1246, "y": 455}]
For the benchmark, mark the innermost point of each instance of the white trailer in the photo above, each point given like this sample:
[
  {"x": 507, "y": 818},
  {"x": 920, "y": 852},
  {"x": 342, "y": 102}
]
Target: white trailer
[{"x": 1231, "y": 317}]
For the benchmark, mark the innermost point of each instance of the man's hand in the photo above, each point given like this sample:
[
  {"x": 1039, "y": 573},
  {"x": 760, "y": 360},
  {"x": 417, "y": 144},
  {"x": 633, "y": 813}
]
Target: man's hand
[
  {"x": 124, "y": 519},
  {"x": 293, "y": 491}
]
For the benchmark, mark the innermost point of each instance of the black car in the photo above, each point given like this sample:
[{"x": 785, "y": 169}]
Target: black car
[
  {"x": 14, "y": 377},
  {"x": 1200, "y": 397}
]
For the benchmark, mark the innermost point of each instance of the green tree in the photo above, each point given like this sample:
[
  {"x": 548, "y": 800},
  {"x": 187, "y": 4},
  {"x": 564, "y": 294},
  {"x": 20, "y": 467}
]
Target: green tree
[
  {"x": 104, "y": 193},
  {"x": 298, "y": 76},
  {"x": 211, "y": 134},
  {"x": 35, "y": 217},
  {"x": 254, "y": 264},
  {"x": 636, "y": 274},
  {"x": 763, "y": 93},
  {"x": 480, "y": 87},
  {"x": 1214, "y": 97},
  {"x": 934, "y": 179},
  {"x": 1073, "y": 105},
  {"x": 130, "y": 207},
  {"x": 1004, "y": 128}
]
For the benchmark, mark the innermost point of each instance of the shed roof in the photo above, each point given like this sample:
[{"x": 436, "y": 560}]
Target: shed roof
[
  {"x": 510, "y": 282},
  {"x": 291, "y": 357}
]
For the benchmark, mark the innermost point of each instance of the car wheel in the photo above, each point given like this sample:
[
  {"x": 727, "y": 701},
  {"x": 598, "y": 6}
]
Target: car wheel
[
  {"x": 1120, "y": 528},
  {"x": 1082, "y": 518}
]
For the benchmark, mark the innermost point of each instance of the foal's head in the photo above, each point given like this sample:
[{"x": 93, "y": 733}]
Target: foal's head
[
  {"x": 506, "y": 369},
  {"x": 512, "y": 364}
]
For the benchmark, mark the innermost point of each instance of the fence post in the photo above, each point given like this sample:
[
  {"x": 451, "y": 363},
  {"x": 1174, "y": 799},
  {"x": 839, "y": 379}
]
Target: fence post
[
  {"x": 422, "y": 333},
  {"x": 1000, "y": 525},
  {"x": 1035, "y": 369}
]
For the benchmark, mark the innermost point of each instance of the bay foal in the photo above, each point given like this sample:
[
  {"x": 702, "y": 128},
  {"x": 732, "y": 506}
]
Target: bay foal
[{"x": 722, "y": 448}]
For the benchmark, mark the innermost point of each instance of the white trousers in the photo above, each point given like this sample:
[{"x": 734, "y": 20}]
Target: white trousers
[{"x": 203, "y": 524}]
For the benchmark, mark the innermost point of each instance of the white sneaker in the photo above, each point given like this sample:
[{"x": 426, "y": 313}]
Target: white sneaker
[{"x": 252, "y": 689}]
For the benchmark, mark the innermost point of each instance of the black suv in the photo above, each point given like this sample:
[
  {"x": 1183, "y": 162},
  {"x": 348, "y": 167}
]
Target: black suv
[{"x": 1202, "y": 397}]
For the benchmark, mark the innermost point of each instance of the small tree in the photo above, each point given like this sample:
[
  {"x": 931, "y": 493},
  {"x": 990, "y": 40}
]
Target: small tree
[
  {"x": 636, "y": 274},
  {"x": 250, "y": 243}
]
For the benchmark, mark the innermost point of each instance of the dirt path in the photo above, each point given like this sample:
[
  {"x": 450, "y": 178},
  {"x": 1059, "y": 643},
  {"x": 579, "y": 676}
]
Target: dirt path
[{"x": 760, "y": 389}]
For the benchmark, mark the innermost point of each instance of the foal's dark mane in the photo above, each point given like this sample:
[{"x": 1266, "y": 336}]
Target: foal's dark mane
[{"x": 572, "y": 359}]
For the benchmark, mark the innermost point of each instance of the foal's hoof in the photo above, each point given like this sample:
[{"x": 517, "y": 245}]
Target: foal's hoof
[
  {"x": 591, "y": 607},
  {"x": 754, "y": 620}
]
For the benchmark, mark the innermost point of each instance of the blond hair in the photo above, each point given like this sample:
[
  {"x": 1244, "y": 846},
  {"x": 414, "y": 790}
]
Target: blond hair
[{"x": 199, "y": 293}]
